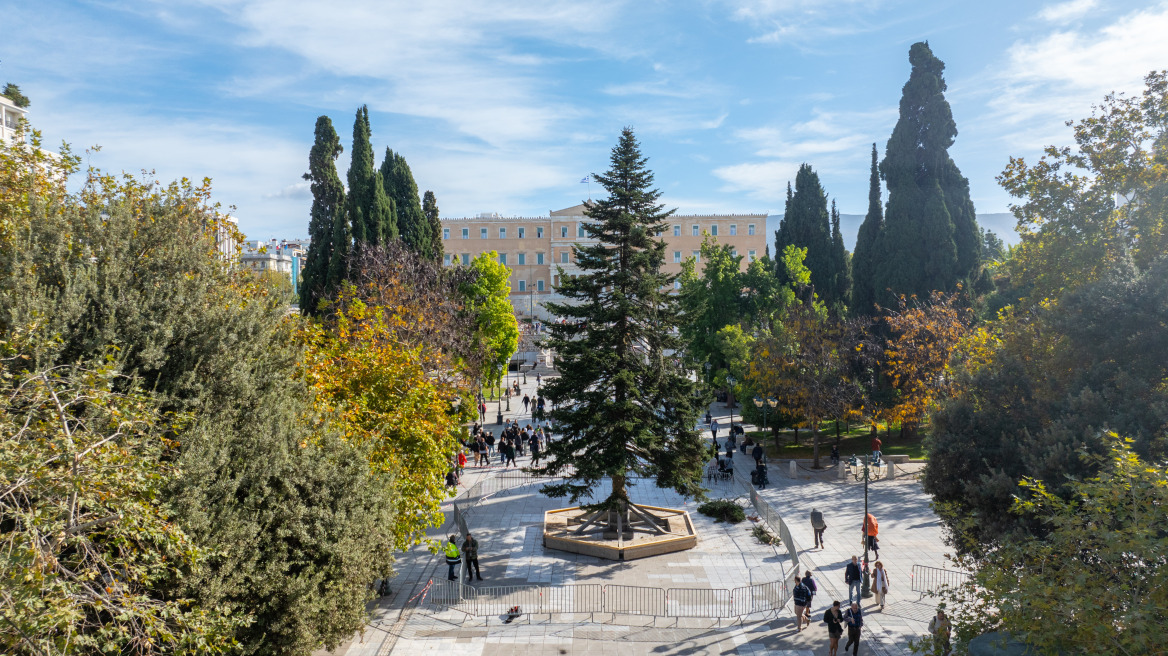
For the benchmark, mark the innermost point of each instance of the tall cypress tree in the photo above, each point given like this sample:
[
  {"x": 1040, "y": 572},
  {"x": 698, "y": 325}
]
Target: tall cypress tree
[
  {"x": 806, "y": 224},
  {"x": 370, "y": 210},
  {"x": 929, "y": 239},
  {"x": 867, "y": 245},
  {"x": 412, "y": 225},
  {"x": 430, "y": 209},
  {"x": 840, "y": 264},
  {"x": 625, "y": 405},
  {"x": 328, "y": 210}
]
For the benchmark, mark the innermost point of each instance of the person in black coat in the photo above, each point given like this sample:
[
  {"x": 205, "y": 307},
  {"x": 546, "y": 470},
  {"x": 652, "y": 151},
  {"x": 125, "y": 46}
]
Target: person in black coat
[
  {"x": 757, "y": 453},
  {"x": 834, "y": 619}
]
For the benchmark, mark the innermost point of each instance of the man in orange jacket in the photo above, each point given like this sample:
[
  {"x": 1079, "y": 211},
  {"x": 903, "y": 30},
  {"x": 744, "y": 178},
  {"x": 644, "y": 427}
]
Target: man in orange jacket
[{"x": 871, "y": 528}]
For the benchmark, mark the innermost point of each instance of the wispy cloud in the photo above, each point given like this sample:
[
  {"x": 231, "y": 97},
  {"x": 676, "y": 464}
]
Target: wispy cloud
[{"x": 1065, "y": 12}]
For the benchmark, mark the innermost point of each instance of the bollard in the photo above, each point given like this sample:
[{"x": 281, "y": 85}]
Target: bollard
[
  {"x": 891, "y": 470},
  {"x": 794, "y": 470},
  {"x": 843, "y": 467}
]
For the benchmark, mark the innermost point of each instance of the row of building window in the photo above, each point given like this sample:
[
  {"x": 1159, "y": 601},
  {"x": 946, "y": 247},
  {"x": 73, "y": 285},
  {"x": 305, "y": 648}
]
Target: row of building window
[
  {"x": 521, "y": 258},
  {"x": 697, "y": 256},
  {"x": 695, "y": 229}
]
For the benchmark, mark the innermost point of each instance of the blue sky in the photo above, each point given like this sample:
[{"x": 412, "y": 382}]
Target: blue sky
[{"x": 503, "y": 105}]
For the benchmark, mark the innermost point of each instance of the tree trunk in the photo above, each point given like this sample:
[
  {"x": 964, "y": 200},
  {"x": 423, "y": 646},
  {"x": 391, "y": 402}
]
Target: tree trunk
[
  {"x": 796, "y": 436},
  {"x": 815, "y": 443},
  {"x": 902, "y": 431},
  {"x": 837, "y": 430}
]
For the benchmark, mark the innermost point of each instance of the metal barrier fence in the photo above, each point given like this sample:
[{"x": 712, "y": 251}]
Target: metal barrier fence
[
  {"x": 932, "y": 580},
  {"x": 591, "y": 598}
]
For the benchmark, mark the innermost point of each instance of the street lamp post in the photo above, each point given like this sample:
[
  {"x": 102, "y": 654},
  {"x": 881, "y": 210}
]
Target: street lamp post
[
  {"x": 760, "y": 403},
  {"x": 866, "y": 586}
]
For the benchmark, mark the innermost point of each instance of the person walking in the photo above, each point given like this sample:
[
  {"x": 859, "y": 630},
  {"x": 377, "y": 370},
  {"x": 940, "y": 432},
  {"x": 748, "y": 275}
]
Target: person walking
[
  {"x": 453, "y": 558},
  {"x": 526, "y": 403},
  {"x": 876, "y": 452},
  {"x": 880, "y": 583},
  {"x": 853, "y": 577},
  {"x": 538, "y": 379},
  {"x": 871, "y": 528},
  {"x": 757, "y": 453},
  {"x": 940, "y": 628},
  {"x": 819, "y": 526},
  {"x": 470, "y": 549},
  {"x": 814, "y": 588},
  {"x": 714, "y": 429},
  {"x": 490, "y": 441},
  {"x": 509, "y": 453},
  {"x": 802, "y": 596},
  {"x": 835, "y": 455},
  {"x": 534, "y": 443},
  {"x": 834, "y": 619},
  {"x": 854, "y": 618}
]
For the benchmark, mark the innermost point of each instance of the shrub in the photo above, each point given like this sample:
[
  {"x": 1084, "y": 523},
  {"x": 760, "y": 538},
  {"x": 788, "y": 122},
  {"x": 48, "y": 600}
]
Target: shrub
[
  {"x": 763, "y": 535},
  {"x": 723, "y": 510}
]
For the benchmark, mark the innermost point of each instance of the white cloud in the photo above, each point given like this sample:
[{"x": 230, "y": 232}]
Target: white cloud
[
  {"x": 1060, "y": 76},
  {"x": 760, "y": 180},
  {"x": 1065, "y": 12}
]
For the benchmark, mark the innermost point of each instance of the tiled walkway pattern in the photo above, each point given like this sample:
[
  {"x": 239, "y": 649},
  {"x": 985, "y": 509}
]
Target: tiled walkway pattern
[{"x": 508, "y": 527}]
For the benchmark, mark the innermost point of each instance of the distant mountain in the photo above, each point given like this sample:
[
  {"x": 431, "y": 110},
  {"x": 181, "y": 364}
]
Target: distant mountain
[{"x": 1002, "y": 223}]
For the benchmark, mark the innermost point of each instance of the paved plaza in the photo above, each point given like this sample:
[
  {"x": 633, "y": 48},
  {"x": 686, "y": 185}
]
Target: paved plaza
[{"x": 508, "y": 526}]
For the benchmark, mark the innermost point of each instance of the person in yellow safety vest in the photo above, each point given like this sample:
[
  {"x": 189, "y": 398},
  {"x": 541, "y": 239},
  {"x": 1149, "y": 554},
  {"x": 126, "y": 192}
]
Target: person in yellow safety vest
[{"x": 453, "y": 557}]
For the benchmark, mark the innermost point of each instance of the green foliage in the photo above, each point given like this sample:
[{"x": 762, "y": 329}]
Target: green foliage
[
  {"x": 764, "y": 536},
  {"x": 1038, "y": 388},
  {"x": 930, "y": 239},
  {"x": 90, "y": 549},
  {"x": 866, "y": 257},
  {"x": 806, "y": 224},
  {"x": 1099, "y": 569},
  {"x": 412, "y": 223},
  {"x": 1086, "y": 210},
  {"x": 710, "y": 302},
  {"x": 328, "y": 223},
  {"x": 12, "y": 92},
  {"x": 430, "y": 209},
  {"x": 624, "y": 403},
  {"x": 723, "y": 510},
  {"x": 488, "y": 298},
  {"x": 291, "y": 532},
  {"x": 371, "y": 212}
]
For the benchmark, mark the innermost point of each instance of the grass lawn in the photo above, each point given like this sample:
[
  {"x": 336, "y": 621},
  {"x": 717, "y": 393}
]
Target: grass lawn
[{"x": 858, "y": 440}]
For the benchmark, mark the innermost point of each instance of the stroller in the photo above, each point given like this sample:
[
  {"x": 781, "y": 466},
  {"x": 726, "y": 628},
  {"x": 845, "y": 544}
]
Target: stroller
[{"x": 758, "y": 477}]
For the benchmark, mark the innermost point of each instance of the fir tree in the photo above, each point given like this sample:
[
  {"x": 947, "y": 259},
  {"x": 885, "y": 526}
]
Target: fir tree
[
  {"x": 840, "y": 264},
  {"x": 371, "y": 212},
  {"x": 412, "y": 225},
  {"x": 430, "y": 209},
  {"x": 867, "y": 244},
  {"x": 328, "y": 209},
  {"x": 930, "y": 238},
  {"x": 806, "y": 224},
  {"x": 625, "y": 405}
]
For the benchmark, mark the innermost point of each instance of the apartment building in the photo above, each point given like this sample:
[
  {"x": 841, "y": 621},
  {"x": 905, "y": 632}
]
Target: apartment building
[
  {"x": 10, "y": 116},
  {"x": 536, "y": 248}
]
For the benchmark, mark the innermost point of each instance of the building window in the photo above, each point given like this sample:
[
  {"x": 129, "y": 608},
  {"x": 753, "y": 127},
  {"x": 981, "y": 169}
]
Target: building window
[
  {"x": 466, "y": 259},
  {"x": 751, "y": 256},
  {"x": 522, "y": 258},
  {"x": 502, "y": 233},
  {"x": 733, "y": 229},
  {"x": 676, "y": 256},
  {"x": 750, "y": 229},
  {"x": 697, "y": 255},
  {"x": 521, "y": 233},
  {"x": 697, "y": 230},
  {"x": 564, "y": 232},
  {"x": 734, "y": 252},
  {"x": 503, "y": 259},
  {"x": 482, "y": 233},
  {"x": 466, "y": 233},
  {"x": 539, "y": 285},
  {"x": 446, "y": 233},
  {"x": 563, "y": 257},
  {"x": 522, "y": 285},
  {"x": 676, "y": 231},
  {"x": 539, "y": 233},
  {"x": 580, "y": 230},
  {"x": 677, "y": 284},
  {"x": 446, "y": 259},
  {"x": 539, "y": 258},
  {"x": 714, "y": 230}
]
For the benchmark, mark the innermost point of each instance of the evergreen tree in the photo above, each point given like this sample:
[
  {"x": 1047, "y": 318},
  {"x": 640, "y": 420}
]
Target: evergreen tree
[
  {"x": 430, "y": 209},
  {"x": 806, "y": 224},
  {"x": 328, "y": 209},
  {"x": 930, "y": 237},
  {"x": 412, "y": 225},
  {"x": 624, "y": 403},
  {"x": 840, "y": 264},
  {"x": 867, "y": 245},
  {"x": 371, "y": 212}
]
